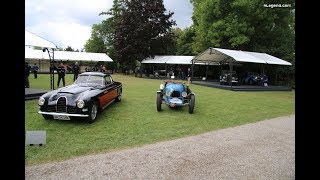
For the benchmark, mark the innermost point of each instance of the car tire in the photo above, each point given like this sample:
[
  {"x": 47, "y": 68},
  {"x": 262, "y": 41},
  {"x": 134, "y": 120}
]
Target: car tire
[
  {"x": 192, "y": 103},
  {"x": 93, "y": 112},
  {"x": 46, "y": 117},
  {"x": 159, "y": 101},
  {"x": 118, "y": 98}
]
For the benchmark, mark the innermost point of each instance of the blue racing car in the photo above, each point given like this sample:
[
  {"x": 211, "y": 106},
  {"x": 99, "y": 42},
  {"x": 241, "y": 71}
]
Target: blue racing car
[{"x": 175, "y": 94}]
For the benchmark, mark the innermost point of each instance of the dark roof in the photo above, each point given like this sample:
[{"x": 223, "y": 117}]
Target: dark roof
[{"x": 95, "y": 74}]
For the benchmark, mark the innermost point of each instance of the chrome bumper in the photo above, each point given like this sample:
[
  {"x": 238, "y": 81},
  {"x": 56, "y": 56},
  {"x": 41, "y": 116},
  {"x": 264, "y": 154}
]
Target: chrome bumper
[{"x": 63, "y": 114}]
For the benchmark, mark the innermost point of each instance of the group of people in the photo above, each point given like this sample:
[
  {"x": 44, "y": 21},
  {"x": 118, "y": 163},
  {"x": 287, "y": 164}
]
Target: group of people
[
  {"x": 61, "y": 70},
  {"x": 95, "y": 68},
  {"x": 28, "y": 69}
]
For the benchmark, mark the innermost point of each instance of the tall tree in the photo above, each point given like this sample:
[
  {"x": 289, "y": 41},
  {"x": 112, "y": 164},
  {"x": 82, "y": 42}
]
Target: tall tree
[
  {"x": 241, "y": 24},
  {"x": 185, "y": 41},
  {"x": 246, "y": 25},
  {"x": 96, "y": 42},
  {"x": 69, "y": 48},
  {"x": 142, "y": 29},
  {"x": 105, "y": 31}
]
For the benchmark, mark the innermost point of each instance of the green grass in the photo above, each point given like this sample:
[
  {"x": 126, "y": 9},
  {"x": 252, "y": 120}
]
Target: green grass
[{"x": 134, "y": 121}]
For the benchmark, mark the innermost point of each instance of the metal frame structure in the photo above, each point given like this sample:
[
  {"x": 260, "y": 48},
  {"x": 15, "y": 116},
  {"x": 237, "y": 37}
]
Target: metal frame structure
[{"x": 51, "y": 56}]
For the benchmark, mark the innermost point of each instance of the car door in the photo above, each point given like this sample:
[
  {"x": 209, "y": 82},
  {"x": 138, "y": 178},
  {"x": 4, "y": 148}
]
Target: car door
[{"x": 109, "y": 93}]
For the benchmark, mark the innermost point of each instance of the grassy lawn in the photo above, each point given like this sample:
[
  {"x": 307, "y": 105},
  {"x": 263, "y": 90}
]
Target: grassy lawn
[{"x": 135, "y": 121}]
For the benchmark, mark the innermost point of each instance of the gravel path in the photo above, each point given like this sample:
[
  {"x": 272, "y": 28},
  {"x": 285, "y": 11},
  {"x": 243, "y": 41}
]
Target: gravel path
[{"x": 263, "y": 150}]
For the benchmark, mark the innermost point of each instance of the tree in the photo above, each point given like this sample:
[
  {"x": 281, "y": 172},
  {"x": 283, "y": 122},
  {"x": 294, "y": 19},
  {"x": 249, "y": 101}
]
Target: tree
[
  {"x": 142, "y": 29},
  {"x": 107, "y": 26},
  {"x": 245, "y": 25},
  {"x": 185, "y": 41},
  {"x": 240, "y": 24},
  {"x": 96, "y": 42},
  {"x": 69, "y": 48}
]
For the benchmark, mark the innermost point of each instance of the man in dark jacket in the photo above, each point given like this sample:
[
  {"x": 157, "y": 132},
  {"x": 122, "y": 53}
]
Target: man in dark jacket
[
  {"x": 61, "y": 73},
  {"x": 27, "y": 69},
  {"x": 35, "y": 69},
  {"x": 76, "y": 70},
  {"x": 189, "y": 73}
]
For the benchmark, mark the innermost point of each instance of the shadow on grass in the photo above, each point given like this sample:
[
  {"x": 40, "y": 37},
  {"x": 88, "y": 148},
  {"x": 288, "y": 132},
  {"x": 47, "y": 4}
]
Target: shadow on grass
[{"x": 83, "y": 121}]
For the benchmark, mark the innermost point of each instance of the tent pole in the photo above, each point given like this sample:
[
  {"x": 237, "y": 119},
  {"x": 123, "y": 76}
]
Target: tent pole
[
  {"x": 230, "y": 67},
  {"x": 51, "y": 58},
  {"x": 206, "y": 71},
  {"x": 288, "y": 78},
  {"x": 192, "y": 68},
  {"x": 165, "y": 64}
]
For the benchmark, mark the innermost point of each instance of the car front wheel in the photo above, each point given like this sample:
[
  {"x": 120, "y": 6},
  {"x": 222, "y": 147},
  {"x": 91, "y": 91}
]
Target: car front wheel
[
  {"x": 93, "y": 111},
  {"x": 192, "y": 103}
]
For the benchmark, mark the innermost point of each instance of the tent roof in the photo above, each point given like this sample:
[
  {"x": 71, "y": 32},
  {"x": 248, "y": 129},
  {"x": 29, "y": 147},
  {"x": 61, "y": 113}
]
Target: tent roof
[
  {"x": 218, "y": 55},
  {"x": 99, "y": 57},
  {"x": 169, "y": 60},
  {"x": 67, "y": 55},
  {"x": 34, "y": 40}
]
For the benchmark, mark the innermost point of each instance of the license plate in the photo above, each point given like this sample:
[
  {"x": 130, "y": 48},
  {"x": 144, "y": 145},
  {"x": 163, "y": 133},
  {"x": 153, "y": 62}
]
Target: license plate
[{"x": 61, "y": 117}]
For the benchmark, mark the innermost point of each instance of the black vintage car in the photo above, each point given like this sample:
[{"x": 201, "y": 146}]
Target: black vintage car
[{"x": 89, "y": 94}]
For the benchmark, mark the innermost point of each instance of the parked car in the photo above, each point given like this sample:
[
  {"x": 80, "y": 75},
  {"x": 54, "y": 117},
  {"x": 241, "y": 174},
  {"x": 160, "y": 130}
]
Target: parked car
[
  {"x": 175, "y": 94},
  {"x": 226, "y": 78},
  {"x": 254, "y": 78},
  {"x": 89, "y": 94}
]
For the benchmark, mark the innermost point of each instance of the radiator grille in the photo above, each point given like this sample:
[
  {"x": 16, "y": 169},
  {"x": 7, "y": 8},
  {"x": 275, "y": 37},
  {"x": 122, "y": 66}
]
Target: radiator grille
[
  {"x": 175, "y": 94},
  {"x": 62, "y": 104}
]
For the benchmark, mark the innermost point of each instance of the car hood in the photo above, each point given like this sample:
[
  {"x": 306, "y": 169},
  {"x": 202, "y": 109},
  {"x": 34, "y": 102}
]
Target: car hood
[
  {"x": 174, "y": 87},
  {"x": 74, "y": 89}
]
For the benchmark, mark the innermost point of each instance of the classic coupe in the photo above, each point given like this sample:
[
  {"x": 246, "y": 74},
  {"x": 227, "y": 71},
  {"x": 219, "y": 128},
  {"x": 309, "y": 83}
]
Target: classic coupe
[
  {"x": 89, "y": 94},
  {"x": 175, "y": 94}
]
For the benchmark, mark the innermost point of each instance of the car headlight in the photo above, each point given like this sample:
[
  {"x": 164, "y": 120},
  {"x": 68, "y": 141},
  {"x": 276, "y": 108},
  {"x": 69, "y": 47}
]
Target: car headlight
[
  {"x": 80, "y": 104},
  {"x": 168, "y": 93},
  {"x": 161, "y": 86},
  {"x": 184, "y": 94},
  {"x": 41, "y": 101}
]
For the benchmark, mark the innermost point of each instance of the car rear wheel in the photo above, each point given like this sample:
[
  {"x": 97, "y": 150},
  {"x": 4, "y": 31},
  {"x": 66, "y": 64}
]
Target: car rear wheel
[
  {"x": 192, "y": 103},
  {"x": 159, "y": 101},
  {"x": 46, "y": 116},
  {"x": 118, "y": 98},
  {"x": 93, "y": 111}
]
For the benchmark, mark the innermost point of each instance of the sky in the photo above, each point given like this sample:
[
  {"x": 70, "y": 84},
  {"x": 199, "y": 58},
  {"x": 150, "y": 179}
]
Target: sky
[{"x": 68, "y": 22}]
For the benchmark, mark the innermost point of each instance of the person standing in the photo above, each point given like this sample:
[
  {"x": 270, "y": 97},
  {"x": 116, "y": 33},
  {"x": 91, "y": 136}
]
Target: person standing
[
  {"x": 35, "y": 69},
  {"x": 189, "y": 75},
  {"x": 61, "y": 73},
  {"x": 27, "y": 69},
  {"x": 76, "y": 70}
]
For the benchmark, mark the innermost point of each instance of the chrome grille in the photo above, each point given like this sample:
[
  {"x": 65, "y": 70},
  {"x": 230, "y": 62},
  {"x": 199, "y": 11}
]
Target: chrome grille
[
  {"x": 62, "y": 104},
  {"x": 51, "y": 109},
  {"x": 72, "y": 110},
  {"x": 175, "y": 94}
]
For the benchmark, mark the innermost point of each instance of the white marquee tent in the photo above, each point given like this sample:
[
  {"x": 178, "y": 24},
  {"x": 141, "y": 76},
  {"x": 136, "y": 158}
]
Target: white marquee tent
[
  {"x": 168, "y": 60},
  {"x": 162, "y": 59},
  {"x": 218, "y": 55},
  {"x": 34, "y": 40},
  {"x": 66, "y": 55}
]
